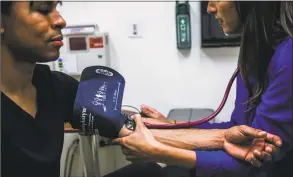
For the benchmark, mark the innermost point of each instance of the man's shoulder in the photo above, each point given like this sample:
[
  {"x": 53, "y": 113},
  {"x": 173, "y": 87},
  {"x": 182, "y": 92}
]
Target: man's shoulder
[
  {"x": 60, "y": 80},
  {"x": 64, "y": 79},
  {"x": 60, "y": 86}
]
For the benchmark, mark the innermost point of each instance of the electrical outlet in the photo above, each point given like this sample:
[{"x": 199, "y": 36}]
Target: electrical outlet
[{"x": 135, "y": 29}]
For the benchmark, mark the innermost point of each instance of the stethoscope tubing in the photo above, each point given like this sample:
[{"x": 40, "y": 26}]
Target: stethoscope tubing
[{"x": 203, "y": 120}]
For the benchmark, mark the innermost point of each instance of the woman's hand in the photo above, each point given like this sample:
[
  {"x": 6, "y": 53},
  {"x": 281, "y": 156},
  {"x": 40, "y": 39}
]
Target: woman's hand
[
  {"x": 141, "y": 141},
  {"x": 152, "y": 113},
  {"x": 153, "y": 116}
]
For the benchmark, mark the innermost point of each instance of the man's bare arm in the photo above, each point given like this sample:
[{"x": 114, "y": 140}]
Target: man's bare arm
[{"x": 191, "y": 139}]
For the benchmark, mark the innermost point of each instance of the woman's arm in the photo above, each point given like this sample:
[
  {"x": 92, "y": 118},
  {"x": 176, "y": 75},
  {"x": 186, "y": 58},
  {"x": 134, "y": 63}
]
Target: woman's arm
[
  {"x": 142, "y": 143},
  {"x": 155, "y": 117},
  {"x": 174, "y": 156}
]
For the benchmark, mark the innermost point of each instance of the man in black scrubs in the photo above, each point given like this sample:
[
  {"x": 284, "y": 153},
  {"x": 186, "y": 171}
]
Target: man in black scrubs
[{"x": 35, "y": 101}]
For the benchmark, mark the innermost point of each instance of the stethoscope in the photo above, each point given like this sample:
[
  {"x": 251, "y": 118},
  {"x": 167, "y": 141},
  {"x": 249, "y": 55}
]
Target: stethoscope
[{"x": 130, "y": 124}]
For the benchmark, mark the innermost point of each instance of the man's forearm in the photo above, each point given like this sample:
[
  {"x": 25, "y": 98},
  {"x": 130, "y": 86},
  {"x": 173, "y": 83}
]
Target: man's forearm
[{"x": 190, "y": 139}]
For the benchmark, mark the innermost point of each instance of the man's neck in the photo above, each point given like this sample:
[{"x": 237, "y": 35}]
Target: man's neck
[{"x": 16, "y": 73}]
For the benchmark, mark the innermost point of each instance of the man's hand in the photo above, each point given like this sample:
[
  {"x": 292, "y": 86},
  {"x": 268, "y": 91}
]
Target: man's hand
[{"x": 250, "y": 144}]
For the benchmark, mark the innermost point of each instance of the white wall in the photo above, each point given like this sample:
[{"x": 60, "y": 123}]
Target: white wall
[{"x": 156, "y": 73}]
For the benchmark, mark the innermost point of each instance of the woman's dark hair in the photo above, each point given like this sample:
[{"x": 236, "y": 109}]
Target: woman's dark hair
[{"x": 265, "y": 25}]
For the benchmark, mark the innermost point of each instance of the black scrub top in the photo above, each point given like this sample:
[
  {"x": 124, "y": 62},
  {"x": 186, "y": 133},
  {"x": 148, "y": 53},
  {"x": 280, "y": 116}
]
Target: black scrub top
[{"x": 32, "y": 147}]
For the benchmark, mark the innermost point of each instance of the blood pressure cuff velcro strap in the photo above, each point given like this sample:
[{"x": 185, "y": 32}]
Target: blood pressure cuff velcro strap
[{"x": 98, "y": 102}]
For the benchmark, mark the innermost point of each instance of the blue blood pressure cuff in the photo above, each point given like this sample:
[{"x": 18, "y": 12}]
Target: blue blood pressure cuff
[{"x": 98, "y": 102}]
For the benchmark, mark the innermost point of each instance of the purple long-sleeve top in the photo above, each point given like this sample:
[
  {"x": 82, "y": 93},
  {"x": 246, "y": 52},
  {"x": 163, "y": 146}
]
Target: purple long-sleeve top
[{"x": 273, "y": 114}]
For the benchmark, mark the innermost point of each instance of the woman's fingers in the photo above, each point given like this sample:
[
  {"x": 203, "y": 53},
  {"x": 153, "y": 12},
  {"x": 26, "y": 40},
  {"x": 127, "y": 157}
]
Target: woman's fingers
[
  {"x": 129, "y": 152},
  {"x": 138, "y": 120},
  {"x": 148, "y": 108},
  {"x": 150, "y": 112},
  {"x": 119, "y": 141}
]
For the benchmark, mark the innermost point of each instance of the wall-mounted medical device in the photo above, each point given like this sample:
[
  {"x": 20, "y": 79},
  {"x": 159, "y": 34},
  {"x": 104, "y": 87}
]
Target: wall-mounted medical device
[
  {"x": 212, "y": 34},
  {"x": 183, "y": 27},
  {"x": 84, "y": 46}
]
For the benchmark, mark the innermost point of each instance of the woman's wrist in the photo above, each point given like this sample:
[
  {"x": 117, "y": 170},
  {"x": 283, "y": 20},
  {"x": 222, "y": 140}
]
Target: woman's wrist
[
  {"x": 173, "y": 156},
  {"x": 172, "y": 121},
  {"x": 175, "y": 121}
]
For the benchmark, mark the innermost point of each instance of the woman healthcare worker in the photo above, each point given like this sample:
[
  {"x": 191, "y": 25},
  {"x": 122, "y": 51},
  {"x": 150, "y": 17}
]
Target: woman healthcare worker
[
  {"x": 36, "y": 102},
  {"x": 263, "y": 98}
]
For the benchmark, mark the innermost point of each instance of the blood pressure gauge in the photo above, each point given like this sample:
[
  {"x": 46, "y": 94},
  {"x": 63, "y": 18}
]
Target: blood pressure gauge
[{"x": 130, "y": 124}]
